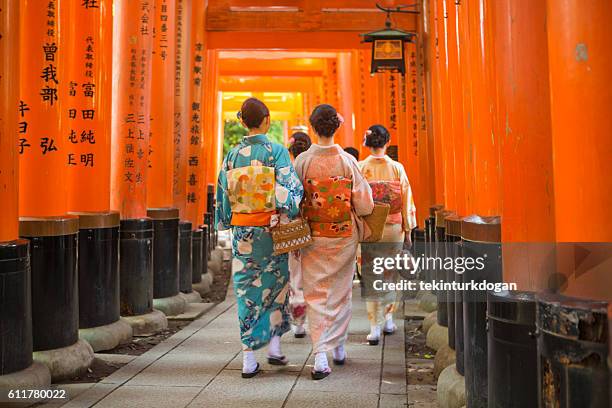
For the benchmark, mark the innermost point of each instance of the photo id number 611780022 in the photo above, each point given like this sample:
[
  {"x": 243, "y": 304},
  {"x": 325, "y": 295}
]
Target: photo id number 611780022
[{"x": 22, "y": 394}]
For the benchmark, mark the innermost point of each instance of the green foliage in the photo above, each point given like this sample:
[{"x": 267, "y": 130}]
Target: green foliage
[
  {"x": 233, "y": 132},
  {"x": 276, "y": 132}
]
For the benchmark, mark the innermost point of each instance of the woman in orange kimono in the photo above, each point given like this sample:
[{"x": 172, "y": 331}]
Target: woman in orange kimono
[
  {"x": 299, "y": 143},
  {"x": 390, "y": 185},
  {"x": 336, "y": 195}
]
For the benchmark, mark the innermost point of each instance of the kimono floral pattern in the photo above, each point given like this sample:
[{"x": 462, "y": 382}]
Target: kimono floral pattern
[
  {"x": 260, "y": 278},
  {"x": 328, "y": 206},
  {"x": 261, "y": 287},
  {"x": 251, "y": 189},
  {"x": 296, "y": 289},
  {"x": 383, "y": 170},
  {"x": 388, "y": 192}
]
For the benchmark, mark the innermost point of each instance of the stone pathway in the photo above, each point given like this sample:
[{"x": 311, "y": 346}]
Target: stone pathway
[{"x": 200, "y": 367}]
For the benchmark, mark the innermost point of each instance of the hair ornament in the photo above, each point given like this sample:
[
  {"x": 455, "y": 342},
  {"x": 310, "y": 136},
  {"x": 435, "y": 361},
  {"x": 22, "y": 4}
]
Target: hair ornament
[{"x": 365, "y": 136}]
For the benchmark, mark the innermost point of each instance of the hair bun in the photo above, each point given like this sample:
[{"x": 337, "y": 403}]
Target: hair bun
[
  {"x": 325, "y": 120},
  {"x": 299, "y": 143},
  {"x": 377, "y": 136}
]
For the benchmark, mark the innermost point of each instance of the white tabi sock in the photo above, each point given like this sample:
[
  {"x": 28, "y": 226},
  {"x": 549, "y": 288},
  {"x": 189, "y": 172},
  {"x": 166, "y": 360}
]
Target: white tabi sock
[
  {"x": 321, "y": 362},
  {"x": 274, "y": 347},
  {"x": 374, "y": 333},
  {"x": 249, "y": 363},
  {"x": 389, "y": 325},
  {"x": 389, "y": 317},
  {"x": 338, "y": 353}
]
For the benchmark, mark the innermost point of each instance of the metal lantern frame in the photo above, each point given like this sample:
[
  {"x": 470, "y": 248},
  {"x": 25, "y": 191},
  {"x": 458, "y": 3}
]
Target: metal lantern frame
[{"x": 388, "y": 51}]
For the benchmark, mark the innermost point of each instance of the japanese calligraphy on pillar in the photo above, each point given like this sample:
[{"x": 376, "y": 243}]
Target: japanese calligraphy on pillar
[
  {"x": 23, "y": 127},
  {"x": 137, "y": 117},
  {"x": 49, "y": 86},
  {"x": 194, "y": 170},
  {"x": 421, "y": 93},
  {"x": 319, "y": 91},
  {"x": 181, "y": 105},
  {"x": 161, "y": 148},
  {"x": 82, "y": 133},
  {"x": 390, "y": 91},
  {"x": 393, "y": 114},
  {"x": 325, "y": 87},
  {"x": 164, "y": 28},
  {"x": 41, "y": 148},
  {"x": 86, "y": 106},
  {"x": 362, "y": 85},
  {"x": 132, "y": 107},
  {"x": 413, "y": 99},
  {"x": 333, "y": 82}
]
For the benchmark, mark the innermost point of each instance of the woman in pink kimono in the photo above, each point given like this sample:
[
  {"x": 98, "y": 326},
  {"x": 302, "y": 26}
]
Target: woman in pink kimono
[
  {"x": 336, "y": 194},
  {"x": 390, "y": 185}
]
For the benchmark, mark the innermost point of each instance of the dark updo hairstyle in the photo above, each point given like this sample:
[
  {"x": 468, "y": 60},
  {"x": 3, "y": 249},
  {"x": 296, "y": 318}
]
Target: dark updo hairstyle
[
  {"x": 253, "y": 112},
  {"x": 353, "y": 152},
  {"x": 301, "y": 143},
  {"x": 324, "y": 120},
  {"x": 378, "y": 138}
]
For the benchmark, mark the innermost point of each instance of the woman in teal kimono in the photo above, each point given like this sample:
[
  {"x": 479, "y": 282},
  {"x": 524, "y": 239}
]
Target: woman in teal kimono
[{"x": 257, "y": 187}]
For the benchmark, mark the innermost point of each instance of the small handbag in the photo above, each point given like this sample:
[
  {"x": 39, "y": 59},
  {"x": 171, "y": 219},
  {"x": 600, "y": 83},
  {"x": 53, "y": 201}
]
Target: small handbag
[
  {"x": 290, "y": 236},
  {"x": 376, "y": 222}
]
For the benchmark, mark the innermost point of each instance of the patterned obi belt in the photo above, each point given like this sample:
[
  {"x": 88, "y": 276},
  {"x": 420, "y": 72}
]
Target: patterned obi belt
[
  {"x": 327, "y": 206},
  {"x": 389, "y": 192},
  {"x": 251, "y": 195}
]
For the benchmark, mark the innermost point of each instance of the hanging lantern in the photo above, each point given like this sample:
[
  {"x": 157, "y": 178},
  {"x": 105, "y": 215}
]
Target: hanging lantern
[{"x": 388, "y": 45}]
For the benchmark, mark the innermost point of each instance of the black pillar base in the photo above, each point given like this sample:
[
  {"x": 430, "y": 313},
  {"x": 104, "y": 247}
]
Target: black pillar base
[
  {"x": 205, "y": 253},
  {"x": 15, "y": 306},
  {"x": 430, "y": 241},
  {"x": 185, "y": 257},
  {"x": 440, "y": 252},
  {"x": 512, "y": 350},
  {"x": 452, "y": 230},
  {"x": 136, "y": 266},
  {"x": 208, "y": 221},
  {"x": 572, "y": 352},
  {"x": 210, "y": 216},
  {"x": 418, "y": 248},
  {"x": 197, "y": 252},
  {"x": 459, "y": 329},
  {"x": 98, "y": 269},
  {"x": 481, "y": 238},
  {"x": 165, "y": 251},
  {"x": 55, "y": 295}
]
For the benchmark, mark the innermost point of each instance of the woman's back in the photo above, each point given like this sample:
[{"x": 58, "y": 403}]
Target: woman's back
[
  {"x": 321, "y": 162},
  {"x": 255, "y": 151},
  {"x": 328, "y": 162},
  {"x": 381, "y": 168}
]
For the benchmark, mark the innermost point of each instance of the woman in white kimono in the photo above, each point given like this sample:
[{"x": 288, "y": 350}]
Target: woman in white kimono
[
  {"x": 390, "y": 185},
  {"x": 336, "y": 194}
]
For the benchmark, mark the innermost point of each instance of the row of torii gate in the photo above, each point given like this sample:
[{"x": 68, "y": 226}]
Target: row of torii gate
[{"x": 112, "y": 112}]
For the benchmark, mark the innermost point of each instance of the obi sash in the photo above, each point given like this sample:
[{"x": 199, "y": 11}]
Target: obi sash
[
  {"x": 251, "y": 195},
  {"x": 389, "y": 192},
  {"x": 327, "y": 206}
]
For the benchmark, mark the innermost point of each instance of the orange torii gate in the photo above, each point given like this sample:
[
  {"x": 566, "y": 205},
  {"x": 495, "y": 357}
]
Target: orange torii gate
[{"x": 343, "y": 80}]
